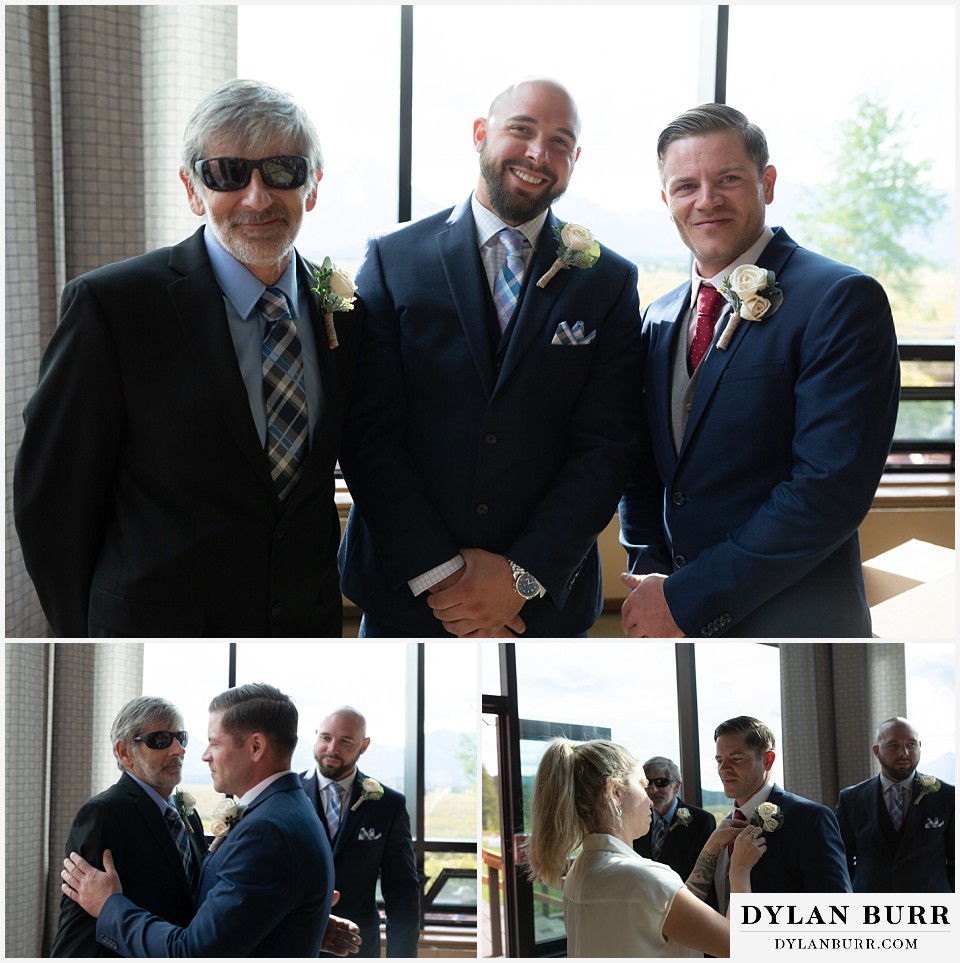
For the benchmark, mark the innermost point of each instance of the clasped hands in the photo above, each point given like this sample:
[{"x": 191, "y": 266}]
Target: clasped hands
[
  {"x": 749, "y": 843},
  {"x": 91, "y": 888},
  {"x": 479, "y": 600},
  {"x": 645, "y": 613}
]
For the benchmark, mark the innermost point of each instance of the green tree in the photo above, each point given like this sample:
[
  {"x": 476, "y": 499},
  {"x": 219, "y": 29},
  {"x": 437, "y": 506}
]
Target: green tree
[
  {"x": 467, "y": 756},
  {"x": 490, "y": 804},
  {"x": 875, "y": 199}
]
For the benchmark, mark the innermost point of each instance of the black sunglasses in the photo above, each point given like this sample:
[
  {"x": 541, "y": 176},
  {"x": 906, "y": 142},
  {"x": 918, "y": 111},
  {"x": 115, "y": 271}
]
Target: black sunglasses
[
  {"x": 162, "y": 740},
  {"x": 282, "y": 173},
  {"x": 660, "y": 783}
]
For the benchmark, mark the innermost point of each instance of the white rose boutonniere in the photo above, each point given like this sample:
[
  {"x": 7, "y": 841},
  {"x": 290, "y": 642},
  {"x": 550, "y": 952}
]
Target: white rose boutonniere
[
  {"x": 186, "y": 806},
  {"x": 370, "y": 789},
  {"x": 337, "y": 292},
  {"x": 753, "y": 293},
  {"x": 928, "y": 784},
  {"x": 768, "y": 816},
  {"x": 226, "y": 814},
  {"x": 576, "y": 247},
  {"x": 683, "y": 817}
]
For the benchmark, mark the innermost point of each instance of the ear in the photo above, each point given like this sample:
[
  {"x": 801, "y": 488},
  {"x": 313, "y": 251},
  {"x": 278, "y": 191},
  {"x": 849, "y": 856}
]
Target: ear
[
  {"x": 310, "y": 201},
  {"x": 876, "y": 751},
  {"x": 364, "y": 744},
  {"x": 479, "y": 132},
  {"x": 256, "y": 745},
  {"x": 769, "y": 757},
  {"x": 193, "y": 197},
  {"x": 124, "y": 753},
  {"x": 769, "y": 179},
  {"x": 576, "y": 156}
]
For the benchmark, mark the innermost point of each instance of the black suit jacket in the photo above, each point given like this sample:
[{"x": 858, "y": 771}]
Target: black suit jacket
[
  {"x": 125, "y": 820},
  {"x": 918, "y": 859},
  {"x": 374, "y": 841},
  {"x": 142, "y": 494},
  {"x": 683, "y": 843}
]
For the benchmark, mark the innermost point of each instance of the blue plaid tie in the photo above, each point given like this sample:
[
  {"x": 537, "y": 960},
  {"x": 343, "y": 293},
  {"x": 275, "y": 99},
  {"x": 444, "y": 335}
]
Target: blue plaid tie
[
  {"x": 179, "y": 833},
  {"x": 332, "y": 808},
  {"x": 283, "y": 393},
  {"x": 506, "y": 290},
  {"x": 659, "y": 835},
  {"x": 896, "y": 806}
]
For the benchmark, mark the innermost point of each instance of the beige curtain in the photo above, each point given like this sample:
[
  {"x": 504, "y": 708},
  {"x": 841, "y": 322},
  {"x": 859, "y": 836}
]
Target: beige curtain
[
  {"x": 96, "y": 101},
  {"x": 61, "y": 699}
]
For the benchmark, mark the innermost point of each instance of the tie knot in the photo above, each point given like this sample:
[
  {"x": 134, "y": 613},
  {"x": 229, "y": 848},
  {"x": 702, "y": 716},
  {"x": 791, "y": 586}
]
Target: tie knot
[
  {"x": 273, "y": 303},
  {"x": 171, "y": 815},
  {"x": 512, "y": 242},
  {"x": 709, "y": 301}
]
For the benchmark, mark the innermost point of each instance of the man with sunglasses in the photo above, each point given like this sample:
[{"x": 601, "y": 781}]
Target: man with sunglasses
[
  {"x": 176, "y": 476},
  {"x": 678, "y": 831},
  {"x": 156, "y": 848}
]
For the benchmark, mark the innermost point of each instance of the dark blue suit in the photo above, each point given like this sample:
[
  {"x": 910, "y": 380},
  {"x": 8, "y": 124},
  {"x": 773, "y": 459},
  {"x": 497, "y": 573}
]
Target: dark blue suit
[
  {"x": 755, "y": 519},
  {"x": 804, "y": 855},
  {"x": 918, "y": 859},
  {"x": 375, "y": 841},
  {"x": 452, "y": 443},
  {"x": 265, "y": 891}
]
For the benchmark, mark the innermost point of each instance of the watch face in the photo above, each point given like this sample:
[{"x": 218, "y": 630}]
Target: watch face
[{"x": 528, "y": 586}]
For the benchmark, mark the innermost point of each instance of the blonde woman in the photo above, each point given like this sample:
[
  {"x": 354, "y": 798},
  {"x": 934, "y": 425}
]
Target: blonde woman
[{"x": 616, "y": 902}]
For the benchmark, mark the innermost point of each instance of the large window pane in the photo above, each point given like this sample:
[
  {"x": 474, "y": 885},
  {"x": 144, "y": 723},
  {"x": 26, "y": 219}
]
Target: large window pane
[{"x": 931, "y": 704}]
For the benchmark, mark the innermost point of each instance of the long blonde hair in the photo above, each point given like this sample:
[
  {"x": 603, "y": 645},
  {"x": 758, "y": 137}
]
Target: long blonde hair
[{"x": 571, "y": 798}]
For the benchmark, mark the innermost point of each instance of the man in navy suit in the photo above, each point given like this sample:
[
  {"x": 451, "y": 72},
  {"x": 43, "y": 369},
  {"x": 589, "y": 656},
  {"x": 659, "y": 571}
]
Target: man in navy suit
[
  {"x": 898, "y": 827},
  {"x": 804, "y": 850},
  {"x": 494, "y": 421},
  {"x": 766, "y": 436},
  {"x": 138, "y": 820},
  {"x": 678, "y": 830},
  {"x": 266, "y": 887},
  {"x": 369, "y": 830},
  {"x": 153, "y": 493}
]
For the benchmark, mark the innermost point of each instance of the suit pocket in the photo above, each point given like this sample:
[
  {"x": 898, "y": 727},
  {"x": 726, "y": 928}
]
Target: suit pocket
[
  {"x": 113, "y": 615},
  {"x": 768, "y": 369}
]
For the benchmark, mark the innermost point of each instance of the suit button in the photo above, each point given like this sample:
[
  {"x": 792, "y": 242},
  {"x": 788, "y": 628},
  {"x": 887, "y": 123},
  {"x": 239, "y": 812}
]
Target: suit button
[
  {"x": 678, "y": 498},
  {"x": 679, "y": 561},
  {"x": 482, "y": 509},
  {"x": 687, "y": 408},
  {"x": 490, "y": 439},
  {"x": 276, "y": 610}
]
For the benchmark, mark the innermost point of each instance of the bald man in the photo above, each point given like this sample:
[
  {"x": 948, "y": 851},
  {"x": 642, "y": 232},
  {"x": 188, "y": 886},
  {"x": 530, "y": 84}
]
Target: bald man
[
  {"x": 897, "y": 827},
  {"x": 369, "y": 831},
  {"x": 493, "y": 421}
]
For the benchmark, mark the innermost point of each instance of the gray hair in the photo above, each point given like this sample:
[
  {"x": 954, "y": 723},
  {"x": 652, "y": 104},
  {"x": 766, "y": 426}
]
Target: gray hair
[
  {"x": 665, "y": 765},
  {"x": 136, "y": 714},
  {"x": 712, "y": 119},
  {"x": 252, "y": 112}
]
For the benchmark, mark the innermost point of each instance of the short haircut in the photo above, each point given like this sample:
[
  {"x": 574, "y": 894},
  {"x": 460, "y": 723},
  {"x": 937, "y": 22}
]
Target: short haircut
[
  {"x": 890, "y": 723},
  {"x": 758, "y": 736},
  {"x": 712, "y": 119},
  {"x": 136, "y": 714},
  {"x": 665, "y": 765},
  {"x": 258, "y": 707},
  {"x": 254, "y": 113}
]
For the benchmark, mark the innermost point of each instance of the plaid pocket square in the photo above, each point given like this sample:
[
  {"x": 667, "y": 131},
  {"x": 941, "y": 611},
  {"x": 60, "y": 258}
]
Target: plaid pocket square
[{"x": 575, "y": 335}]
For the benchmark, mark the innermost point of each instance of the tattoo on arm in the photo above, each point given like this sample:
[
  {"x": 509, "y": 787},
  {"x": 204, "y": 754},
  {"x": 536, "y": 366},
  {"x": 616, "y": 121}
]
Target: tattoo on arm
[{"x": 701, "y": 878}]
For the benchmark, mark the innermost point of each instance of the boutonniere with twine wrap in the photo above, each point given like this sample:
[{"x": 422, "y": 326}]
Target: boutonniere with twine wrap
[
  {"x": 928, "y": 784},
  {"x": 753, "y": 293},
  {"x": 768, "y": 816},
  {"x": 337, "y": 292},
  {"x": 576, "y": 247},
  {"x": 682, "y": 818},
  {"x": 186, "y": 806},
  {"x": 225, "y": 816},
  {"x": 370, "y": 789}
]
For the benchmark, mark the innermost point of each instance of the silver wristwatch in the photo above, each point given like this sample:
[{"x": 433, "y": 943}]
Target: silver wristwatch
[{"x": 527, "y": 587}]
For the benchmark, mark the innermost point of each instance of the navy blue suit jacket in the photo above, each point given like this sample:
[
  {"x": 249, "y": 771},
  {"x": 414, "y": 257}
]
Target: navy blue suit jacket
[
  {"x": 374, "y": 841},
  {"x": 265, "y": 891},
  {"x": 445, "y": 450},
  {"x": 125, "y": 820},
  {"x": 918, "y": 859},
  {"x": 755, "y": 519}
]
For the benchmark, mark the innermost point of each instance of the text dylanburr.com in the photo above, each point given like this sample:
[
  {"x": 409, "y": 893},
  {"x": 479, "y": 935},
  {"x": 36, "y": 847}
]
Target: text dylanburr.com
[{"x": 805, "y": 925}]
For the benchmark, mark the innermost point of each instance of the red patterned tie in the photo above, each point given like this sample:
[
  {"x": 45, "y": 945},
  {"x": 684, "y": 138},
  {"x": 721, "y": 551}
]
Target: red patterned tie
[
  {"x": 709, "y": 302},
  {"x": 736, "y": 813}
]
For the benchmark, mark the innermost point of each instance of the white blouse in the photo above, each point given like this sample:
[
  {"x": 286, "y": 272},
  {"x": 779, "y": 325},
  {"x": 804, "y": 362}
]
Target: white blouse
[{"x": 615, "y": 903}]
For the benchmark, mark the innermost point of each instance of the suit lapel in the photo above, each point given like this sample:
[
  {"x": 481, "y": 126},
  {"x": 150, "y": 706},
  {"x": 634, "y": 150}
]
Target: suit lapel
[
  {"x": 349, "y": 818},
  {"x": 659, "y": 369},
  {"x": 468, "y": 287}
]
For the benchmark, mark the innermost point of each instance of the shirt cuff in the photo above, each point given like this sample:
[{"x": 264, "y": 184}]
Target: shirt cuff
[{"x": 421, "y": 583}]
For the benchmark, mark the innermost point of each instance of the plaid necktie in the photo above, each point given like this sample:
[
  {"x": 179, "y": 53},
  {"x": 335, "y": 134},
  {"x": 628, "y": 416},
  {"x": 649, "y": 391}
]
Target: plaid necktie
[
  {"x": 709, "y": 303},
  {"x": 659, "y": 836},
  {"x": 179, "y": 832},
  {"x": 896, "y": 806},
  {"x": 283, "y": 393},
  {"x": 331, "y": 807},
  {"x": 506, "y": 290}
]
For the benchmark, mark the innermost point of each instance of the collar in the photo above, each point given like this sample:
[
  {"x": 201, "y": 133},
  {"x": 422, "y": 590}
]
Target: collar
[
  {"x": 488, "y": 224},
  {"x": 907, "y": 783},
  {"x": 251, "y": 794},
  {"x": 749, "y": 256},
  {"x": 151, "y": 792},
  {"x": 760, "y": 796},
  {"x": 345, "y": 784},
  {"x": 240, "y": 286}
]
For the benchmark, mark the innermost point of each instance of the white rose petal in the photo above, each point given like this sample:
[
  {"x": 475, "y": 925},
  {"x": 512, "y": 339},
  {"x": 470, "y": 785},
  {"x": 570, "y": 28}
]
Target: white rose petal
[
  {"x": 219, "y": 827},
  {"x": 769, "y": 825},
  {"x": 576, "y": 238},
  {"x": 341, "y": 284},
  {"x": 748, "y": 279},
  {"x": 753, "y": 308}
]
